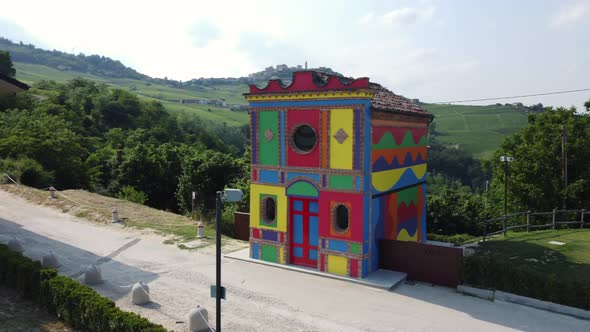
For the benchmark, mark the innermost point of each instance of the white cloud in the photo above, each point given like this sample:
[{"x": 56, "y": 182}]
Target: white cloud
[
  {"x": 408, "y": 15},
  {"x": 203, "y": 32},
  {"x": 572, "y": 14},
  {"x": 400, "y": 16}
]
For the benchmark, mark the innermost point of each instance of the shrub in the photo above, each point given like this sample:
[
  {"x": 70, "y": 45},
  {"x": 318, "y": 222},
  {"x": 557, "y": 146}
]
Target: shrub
[
  {"x": 488, "y": 272},
  {"x": 22, "y": 273},
  {"x": 133, "y": 195},
  {"x": 77, "y": 305},
  {"x": 80, "y": 307},
  {"x": 227, "y": 220},
  {"x": 28, "y": 171},
  {"x": 456, "y": 239}
]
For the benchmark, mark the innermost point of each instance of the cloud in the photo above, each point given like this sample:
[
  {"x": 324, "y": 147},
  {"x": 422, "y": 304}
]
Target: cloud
[
  {"x": 572, "y": 14},
  {"x": 401, "y": 16},
  {"x": 203, "y": 32},
  {"x": 264, "y": 50}
]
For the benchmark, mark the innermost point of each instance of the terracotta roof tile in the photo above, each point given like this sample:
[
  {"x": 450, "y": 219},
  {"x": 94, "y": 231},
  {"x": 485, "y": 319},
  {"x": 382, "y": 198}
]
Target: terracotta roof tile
[{"x": 387, "y": 101}]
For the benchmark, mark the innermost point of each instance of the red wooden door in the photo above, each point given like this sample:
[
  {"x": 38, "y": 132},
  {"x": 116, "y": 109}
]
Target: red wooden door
[{"x": 304, "y": 222}]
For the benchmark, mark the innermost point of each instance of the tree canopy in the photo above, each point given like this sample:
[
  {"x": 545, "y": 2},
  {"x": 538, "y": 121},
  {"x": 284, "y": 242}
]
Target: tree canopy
[
  {"x": 6, "y": 66},
  {"x": 85, "y": 135}
]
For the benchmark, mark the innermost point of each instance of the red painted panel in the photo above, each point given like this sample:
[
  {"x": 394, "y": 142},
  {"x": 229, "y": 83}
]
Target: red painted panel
[
  {"x": 322, "y": 262},
  {"x": 256, "y": 233},
  {"x": 295, "y": 118},
  {"x": 255, "y": 175},
  {"x": 305, "y": 81},
  {"x": 356, "y": 215},
  {"x": 354, "y": 267}
]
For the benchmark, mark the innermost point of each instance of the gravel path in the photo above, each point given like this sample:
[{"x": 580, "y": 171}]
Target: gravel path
[{"x": 259, "y": 298}]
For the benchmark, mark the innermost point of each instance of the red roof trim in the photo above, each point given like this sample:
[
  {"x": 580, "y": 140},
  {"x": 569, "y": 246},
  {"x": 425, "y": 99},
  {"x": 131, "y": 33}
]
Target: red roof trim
[{"x": 311, "y": 81}]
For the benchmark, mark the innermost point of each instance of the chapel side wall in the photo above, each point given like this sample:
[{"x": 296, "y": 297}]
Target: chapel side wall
[{"x": 398, "y": 179}]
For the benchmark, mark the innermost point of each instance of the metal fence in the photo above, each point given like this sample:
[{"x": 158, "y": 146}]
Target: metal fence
[{"x": 532, "y": 220}]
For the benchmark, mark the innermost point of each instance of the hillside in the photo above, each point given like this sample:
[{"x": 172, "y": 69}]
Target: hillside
[
  {"x": 169, "y": 96},
  {"x": 476, "y": 129}
]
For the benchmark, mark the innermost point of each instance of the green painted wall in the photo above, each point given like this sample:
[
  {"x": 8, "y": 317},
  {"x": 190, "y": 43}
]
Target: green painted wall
[
  {"x": 269, "y": 149},
  {"x": 270, "y": 253},
  {"x": 341, "y": 182}
]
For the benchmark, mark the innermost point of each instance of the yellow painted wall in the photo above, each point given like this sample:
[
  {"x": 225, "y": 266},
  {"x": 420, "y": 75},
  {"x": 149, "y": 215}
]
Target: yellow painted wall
[
  {"x": 337, "y": 265},
  {"x": 255, "y": 191},
  {"x": 282, "y": 255},
  {"x": 341, "y": 154}
]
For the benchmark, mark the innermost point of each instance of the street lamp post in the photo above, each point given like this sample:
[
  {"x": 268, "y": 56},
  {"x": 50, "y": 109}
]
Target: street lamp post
[
  {"x": 506, "y": 160},
  {"x": 230, "y": 195}
]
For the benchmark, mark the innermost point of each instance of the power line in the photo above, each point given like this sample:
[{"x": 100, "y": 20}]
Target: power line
[{"x": 513, "y": 97}]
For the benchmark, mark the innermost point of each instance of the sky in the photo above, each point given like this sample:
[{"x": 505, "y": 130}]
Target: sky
[{"x": 434, "y": 50}]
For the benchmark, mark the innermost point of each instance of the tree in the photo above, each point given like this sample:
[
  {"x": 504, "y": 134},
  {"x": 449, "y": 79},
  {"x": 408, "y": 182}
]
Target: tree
[
  {"x": 536, "y": 174},
  {"x": 6, "y": 66},
  {"x": 453, "y": 208},
  {"x": 205, "y": 172}
]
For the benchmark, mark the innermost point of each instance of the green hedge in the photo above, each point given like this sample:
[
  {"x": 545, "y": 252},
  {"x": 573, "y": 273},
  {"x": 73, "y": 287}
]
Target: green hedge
[
  {"x": 77, "y": 305},
  {"x": 456, "y": 239},
  {"x": 491, "y": 273},
  {"x": 22, "y": 274}
]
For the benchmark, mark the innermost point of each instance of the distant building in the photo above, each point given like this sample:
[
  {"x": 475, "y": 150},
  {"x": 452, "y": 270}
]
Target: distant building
[
  {"x": 337, "y": 164},
  {"x": 11, "y": 86}
]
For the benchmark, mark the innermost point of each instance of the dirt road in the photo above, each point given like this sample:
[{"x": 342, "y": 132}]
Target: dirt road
[{"x": 260, "y": 298}]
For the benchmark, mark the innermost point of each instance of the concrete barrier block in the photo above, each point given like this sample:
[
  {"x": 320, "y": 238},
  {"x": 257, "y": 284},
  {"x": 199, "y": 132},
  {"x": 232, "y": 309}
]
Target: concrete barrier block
[
  {"x": 543, "y": 305},
  {"x": 477, "y": 292}
]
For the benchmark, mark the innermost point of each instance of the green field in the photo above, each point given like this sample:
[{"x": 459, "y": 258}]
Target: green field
[
  {"x": 169, "y": 96},
  {"x": 534, "y": 252},
  {"x": 477, "y": 129}
]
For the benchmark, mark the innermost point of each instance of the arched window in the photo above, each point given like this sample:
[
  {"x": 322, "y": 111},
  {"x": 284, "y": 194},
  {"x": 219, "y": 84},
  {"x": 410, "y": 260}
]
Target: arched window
[
  {"x": 269, "y": 210},
  {"x": 341, "y": 218},
  {"x": 304, "y": 138}
]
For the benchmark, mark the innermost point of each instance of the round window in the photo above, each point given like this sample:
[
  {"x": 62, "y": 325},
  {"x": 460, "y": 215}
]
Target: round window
[
  {"x": 342, "y": 221},
  {"x": 304, "y": 138},
  {"x": 269, "y": 210}
]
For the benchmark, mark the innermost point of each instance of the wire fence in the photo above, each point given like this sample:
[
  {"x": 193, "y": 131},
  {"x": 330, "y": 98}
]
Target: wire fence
[{"x": 533, "y": 220}]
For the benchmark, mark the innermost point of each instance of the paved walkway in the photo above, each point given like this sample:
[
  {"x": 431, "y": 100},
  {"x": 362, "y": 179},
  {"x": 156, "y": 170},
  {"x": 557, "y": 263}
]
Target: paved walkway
[{"x": 259, "y": 298}]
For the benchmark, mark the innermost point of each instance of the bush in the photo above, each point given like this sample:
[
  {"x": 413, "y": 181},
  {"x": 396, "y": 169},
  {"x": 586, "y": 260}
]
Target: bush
[
  {"x": 27, "y": 171},
  {"x": 456, "y": 239},
  {"x": 488, "y": 272},
  {"x": 80, "y": 307},
  {"x": 133, "y": 195},
  {"x": 77, "y": 305},
  {"x": 227, "y": 220},
  {"x": 23, "y": 274}
]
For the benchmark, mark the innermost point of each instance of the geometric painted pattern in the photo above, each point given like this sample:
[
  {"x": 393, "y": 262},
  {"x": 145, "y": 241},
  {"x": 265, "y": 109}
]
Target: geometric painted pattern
[
  {"x": 268, "y": 135},
  {"x": 341, "y": 136}
]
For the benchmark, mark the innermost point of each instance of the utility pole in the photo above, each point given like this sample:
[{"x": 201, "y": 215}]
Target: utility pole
[
  {"x": 564, "y": 160},
  {"x": 485, "y": 198},
  {"x": 506, "y": 160}
]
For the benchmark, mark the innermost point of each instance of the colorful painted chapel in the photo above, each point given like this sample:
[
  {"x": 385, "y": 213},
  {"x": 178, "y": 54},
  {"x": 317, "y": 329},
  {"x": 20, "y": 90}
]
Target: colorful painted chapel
[{"x": 337, "y": 165}]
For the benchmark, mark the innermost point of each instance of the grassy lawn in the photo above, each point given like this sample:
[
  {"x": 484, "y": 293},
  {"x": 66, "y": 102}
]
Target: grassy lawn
[
  {"x": 179, "y": 229},
  {"x": 17, "y": 314},
  {"x": 533, "y": 251}
]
